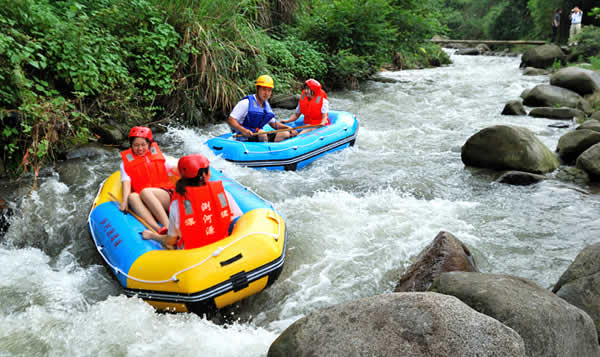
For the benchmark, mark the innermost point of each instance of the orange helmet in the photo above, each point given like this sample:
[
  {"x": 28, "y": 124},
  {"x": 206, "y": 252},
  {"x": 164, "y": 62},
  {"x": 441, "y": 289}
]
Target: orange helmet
[
  {"x": 314, "y": 85},
  {"x": 189, "y": 165},
  {"x": 265, "y": 81},
  {"x": 140, "y": 132}
]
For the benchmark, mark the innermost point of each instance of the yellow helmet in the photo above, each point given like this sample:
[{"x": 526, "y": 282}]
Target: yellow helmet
[{"x": 265, "y": 81}]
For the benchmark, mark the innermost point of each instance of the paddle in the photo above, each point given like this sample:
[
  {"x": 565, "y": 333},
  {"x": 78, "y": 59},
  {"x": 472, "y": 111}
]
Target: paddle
[
  {"x": 116, "y": 201},
  {"x": 282, "y": 130}
]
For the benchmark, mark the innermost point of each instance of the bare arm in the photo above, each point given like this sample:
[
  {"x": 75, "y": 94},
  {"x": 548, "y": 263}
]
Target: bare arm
[
  {"x": 294, "y": 117},
  {"x": 237, "y": 126},
  {"x": 126, "y": 190},
  {"x": 323, "y": 118}
]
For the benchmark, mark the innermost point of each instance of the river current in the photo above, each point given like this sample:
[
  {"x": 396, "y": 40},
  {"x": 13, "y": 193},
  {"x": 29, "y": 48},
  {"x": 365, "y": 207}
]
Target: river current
[{"x": 355, "y": 220}]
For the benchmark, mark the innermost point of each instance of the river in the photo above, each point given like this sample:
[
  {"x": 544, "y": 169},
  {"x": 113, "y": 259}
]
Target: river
[{"x": 355, "y": 220}]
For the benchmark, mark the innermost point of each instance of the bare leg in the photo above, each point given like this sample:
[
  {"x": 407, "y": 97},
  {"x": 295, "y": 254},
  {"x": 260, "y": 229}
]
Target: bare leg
[
  {"x": 136, "y": 204},
  {"x": 304, "y": 131},
  {"x": 282, "y": 136},
  {"x": 157, "y": 200}
]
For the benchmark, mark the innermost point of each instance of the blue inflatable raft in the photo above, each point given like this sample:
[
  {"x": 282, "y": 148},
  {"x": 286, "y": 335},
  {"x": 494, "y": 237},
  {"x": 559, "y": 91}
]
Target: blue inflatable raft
[
  {"x": 293, "y": 153},
  {"x": 200, "y": 279}
]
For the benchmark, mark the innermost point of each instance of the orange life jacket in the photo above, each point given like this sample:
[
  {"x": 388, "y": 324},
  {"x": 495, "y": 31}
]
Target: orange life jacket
[
  {"x": 204, "y": 215},
  {"x": 311, "y": 108},
  {"x": 146, "y": 171}
]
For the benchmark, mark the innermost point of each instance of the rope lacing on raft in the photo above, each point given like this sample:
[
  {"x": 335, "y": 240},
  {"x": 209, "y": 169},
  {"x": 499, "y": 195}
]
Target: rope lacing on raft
[
  {"x": 246, "y": 151},
  {"x": 214, "y": 254}
]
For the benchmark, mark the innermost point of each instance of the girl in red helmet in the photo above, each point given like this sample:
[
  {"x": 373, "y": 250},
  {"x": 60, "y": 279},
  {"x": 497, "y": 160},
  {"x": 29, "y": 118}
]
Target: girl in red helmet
[
  {"x": 313, "y": 104},
  {"x": 201, "y": 210},
  {"x": 145, "y": 179}
]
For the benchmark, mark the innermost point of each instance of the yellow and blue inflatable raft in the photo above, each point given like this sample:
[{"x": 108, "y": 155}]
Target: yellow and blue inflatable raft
[{"x": 196, "y": 280}]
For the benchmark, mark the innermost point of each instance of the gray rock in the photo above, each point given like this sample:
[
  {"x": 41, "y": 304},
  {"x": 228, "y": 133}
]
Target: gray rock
[
  {"x": 556, "y": 113},
  {"x": 589, "y": 161},
  {"x": 590, "y": 124},
  {"x": 579, "y": 80},
  {"x": 285, "y": 101},
  {"x": 549, "y": 325},
  {"x": 111, "y": 133},
  {"x": 542, "y": 56},
  {"x": 398, "y": 324},
  {"x": 468, "y": 52},
  {"x": 514, "y": 107},
  {"x": 580, "y": 283},
  {"x": 87, "y": 150},
  {"x": 520, "y": 178},
  {"x": 544, "y": 95},
  {"x": 446, "y": 253},
  {"x": 504, "y": 147},
  {"x": 575, "y": 142},
  {"x": 532, "y": 71},
  {"x": 572, "y": 174},
  {"x": 595, "y": 115}
]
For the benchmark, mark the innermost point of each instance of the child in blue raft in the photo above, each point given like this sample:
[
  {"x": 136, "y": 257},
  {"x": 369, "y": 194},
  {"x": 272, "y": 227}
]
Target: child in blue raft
[{"x": 201, "y": 210}]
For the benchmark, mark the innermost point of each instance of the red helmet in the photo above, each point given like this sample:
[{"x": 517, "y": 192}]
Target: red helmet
[
  {"x": 313, "y": 85},
  {"x": 190, "y": 164},
  {"x": 140, "y": 132}
]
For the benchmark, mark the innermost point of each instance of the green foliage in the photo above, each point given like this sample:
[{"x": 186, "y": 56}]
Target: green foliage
[
  {"x": 556, "y": 65},
  {"x": 595, "y": 62},
  {"x": 588, "y": 43}
]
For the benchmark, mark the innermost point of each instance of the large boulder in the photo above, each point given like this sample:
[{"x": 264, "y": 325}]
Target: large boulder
[
  {"x": 542, "y": 56},
  {"x": 504, "y": 147},
  {"x": 580, "y": 283},
  {"x": 545, "y": 95},
  {"x": 591, "y": 124},
  {"x": 579, "y": 80},
  {"x": 556, "y": 113},
  {"x": 589, "y": 161},
  {"x": 549, "y": 325},
  {"x": 398, "y": 324},
  {"x": 575, "y": 142},
  {"x": 446, "y": 253}
]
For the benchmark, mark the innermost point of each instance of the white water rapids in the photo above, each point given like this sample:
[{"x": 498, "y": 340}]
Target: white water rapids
[{"x": 355, "y": 220}]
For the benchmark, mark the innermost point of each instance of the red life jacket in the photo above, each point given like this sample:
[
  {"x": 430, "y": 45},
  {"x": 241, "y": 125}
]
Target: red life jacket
[
  {"x": 204, "y": 215},
  {"x": 146, "y": 171},
  {"x": 312, "y": 108}
]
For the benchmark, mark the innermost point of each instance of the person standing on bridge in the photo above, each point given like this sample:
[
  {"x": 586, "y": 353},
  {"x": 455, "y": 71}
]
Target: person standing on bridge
[
  {"x": 556, "y": 25},
  {"x": 575, "y": 28}
]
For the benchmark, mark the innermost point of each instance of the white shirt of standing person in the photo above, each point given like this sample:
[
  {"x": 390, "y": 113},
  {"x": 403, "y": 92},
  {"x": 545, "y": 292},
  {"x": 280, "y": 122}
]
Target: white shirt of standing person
[
  {"x": 174, "y": 214},
  {"x": 576, "y": 17}
]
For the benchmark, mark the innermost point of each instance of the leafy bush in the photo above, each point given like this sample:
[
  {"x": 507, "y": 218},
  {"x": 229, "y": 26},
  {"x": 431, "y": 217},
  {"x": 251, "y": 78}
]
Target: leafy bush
[{"x": 588, "y": 43}]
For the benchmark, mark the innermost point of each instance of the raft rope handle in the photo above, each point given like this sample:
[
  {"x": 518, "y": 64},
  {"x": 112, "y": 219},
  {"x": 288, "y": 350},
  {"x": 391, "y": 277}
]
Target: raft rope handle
[
  {"x": 216, "y": 253},
  {"x": 296, "y": 147},
  {"x": 246, "y": 151}
]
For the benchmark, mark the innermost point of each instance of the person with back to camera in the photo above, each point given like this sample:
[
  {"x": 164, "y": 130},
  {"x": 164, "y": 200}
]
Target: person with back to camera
[
  {"x": 575, "y": 16},
  {"x": 556, "y": 24},
  {"x": 145, "y": 183},
  {"x": 313, "y": 104},
  {"x": 253, "y": 112},
  {"x": 201, "y": 210}
]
